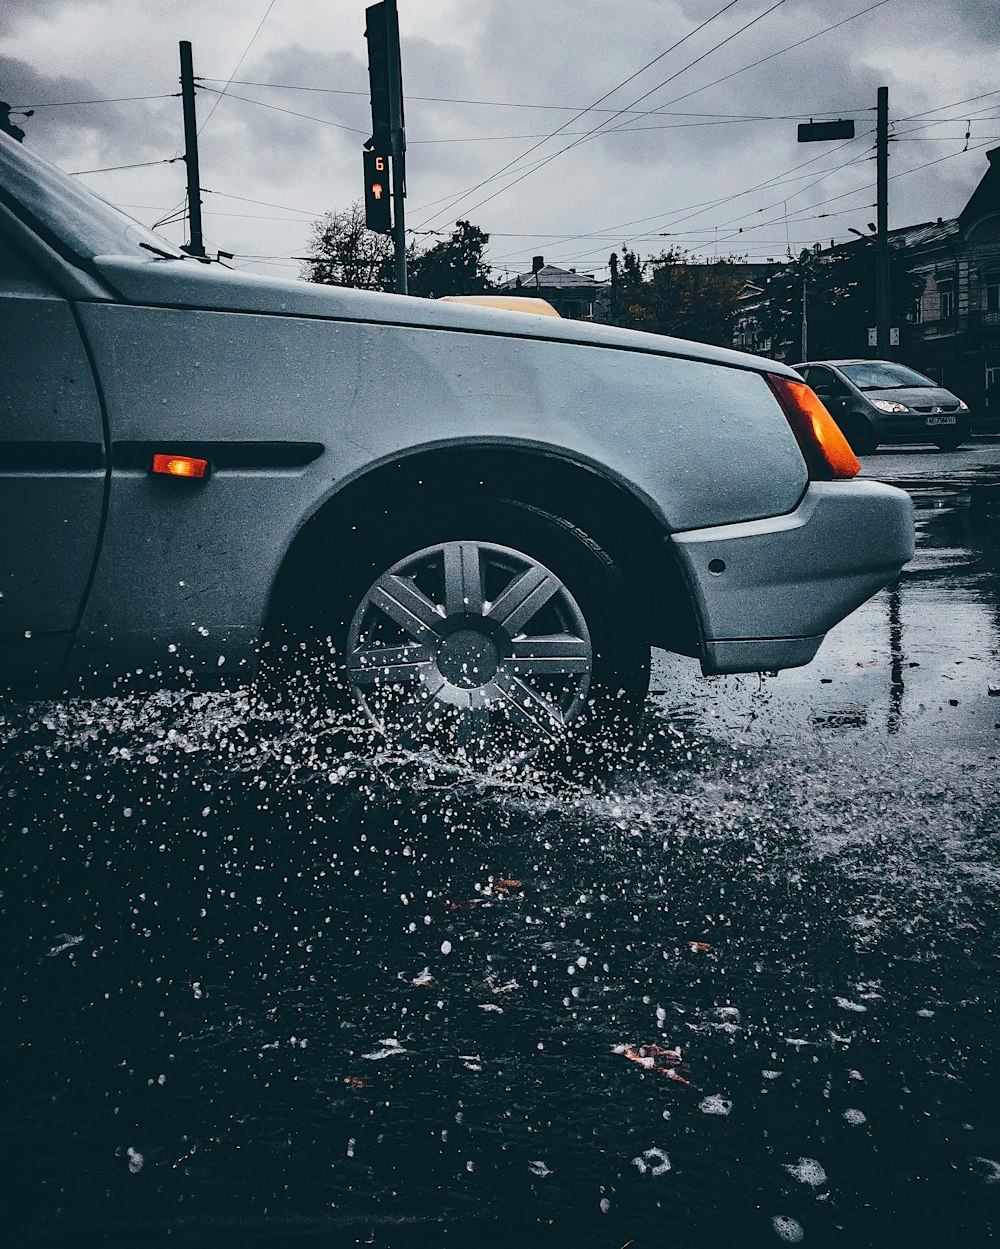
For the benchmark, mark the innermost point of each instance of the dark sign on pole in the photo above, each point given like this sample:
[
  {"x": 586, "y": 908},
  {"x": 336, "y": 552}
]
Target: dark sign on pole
[{"x": 824, "y": 131}]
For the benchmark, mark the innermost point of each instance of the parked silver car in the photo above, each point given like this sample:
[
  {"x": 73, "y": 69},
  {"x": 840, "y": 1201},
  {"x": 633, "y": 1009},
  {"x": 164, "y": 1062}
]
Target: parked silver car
[
  {"x": 491, "y": 515},
  {"x": 879, "y": 401}
]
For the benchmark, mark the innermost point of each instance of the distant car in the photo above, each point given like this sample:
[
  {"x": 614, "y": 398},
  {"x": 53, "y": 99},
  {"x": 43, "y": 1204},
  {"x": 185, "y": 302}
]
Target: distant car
[
  {"x": 879, "y": 401},
  {"x": 489, "y": 517}
]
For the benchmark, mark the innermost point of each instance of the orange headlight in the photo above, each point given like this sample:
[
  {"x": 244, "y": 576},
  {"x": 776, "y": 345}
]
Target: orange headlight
[{"x": 826, "y": 451}]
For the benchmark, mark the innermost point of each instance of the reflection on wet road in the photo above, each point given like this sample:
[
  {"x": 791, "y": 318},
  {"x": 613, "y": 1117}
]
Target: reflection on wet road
[{"x": 258, "y": 988}]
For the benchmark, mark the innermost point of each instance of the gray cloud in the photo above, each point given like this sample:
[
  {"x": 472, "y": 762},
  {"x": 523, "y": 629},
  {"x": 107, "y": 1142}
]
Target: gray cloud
[{"x": 561, "y": 52}]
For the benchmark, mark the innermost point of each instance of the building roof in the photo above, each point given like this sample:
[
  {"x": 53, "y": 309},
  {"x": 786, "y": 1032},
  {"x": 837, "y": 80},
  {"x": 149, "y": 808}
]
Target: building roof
[
  {"x": 555, "y": 279},
  {"x": 928, "y": 232}
]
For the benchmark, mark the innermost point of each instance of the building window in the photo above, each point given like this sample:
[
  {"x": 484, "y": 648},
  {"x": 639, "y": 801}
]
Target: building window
[
  {"x": 991, "y": 292},
  {"x": 946, "y": 300},
  {"x": 918, "y": 309}
]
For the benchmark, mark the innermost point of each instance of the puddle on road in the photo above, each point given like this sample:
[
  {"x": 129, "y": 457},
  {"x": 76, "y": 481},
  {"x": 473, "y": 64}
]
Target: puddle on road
[
  {"x": 309, "y": 992},
  {"x": 260, "y": 985}
]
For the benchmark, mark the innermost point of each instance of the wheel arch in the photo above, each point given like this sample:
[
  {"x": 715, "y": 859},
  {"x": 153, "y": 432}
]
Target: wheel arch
[{"x": 622, "y": 521}]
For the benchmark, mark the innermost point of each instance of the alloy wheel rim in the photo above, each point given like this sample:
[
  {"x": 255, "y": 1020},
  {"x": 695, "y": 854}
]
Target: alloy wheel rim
[{"x": 471, "y": 647}]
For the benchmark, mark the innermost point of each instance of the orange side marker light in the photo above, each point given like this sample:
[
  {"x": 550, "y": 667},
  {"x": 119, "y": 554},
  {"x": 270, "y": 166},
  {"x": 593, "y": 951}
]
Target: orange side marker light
[{"x": 180, "y": 466}]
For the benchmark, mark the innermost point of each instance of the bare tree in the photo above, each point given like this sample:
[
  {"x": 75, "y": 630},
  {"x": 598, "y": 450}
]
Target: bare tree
[{"x": 344, "y": 252}]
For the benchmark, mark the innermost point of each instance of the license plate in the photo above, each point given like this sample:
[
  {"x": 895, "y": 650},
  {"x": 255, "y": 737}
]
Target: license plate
[{"x": 940, "y": 420}]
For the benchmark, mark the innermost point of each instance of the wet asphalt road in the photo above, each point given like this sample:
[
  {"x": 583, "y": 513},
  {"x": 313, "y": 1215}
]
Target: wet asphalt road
[{"x": 257, "y": 989}]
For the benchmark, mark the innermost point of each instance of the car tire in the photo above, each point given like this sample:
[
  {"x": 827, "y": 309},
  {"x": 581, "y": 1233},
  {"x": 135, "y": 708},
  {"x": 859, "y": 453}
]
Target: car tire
[
  {"x": 486, "y": 632},
  {"x": 860, "y": 434}
]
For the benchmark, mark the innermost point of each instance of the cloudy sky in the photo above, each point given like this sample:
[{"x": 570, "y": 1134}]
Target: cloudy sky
[{"x": 691, "y": 142}]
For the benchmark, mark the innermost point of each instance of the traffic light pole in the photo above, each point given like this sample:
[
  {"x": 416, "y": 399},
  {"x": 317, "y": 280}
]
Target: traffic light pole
[
  {"x": 398, "y": 139},
  {"x": 882, "y": 223},
  {"x": 196, "y": 246}
]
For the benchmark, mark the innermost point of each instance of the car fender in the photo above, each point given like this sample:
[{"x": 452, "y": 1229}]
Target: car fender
[{"x": 182, "y": 558}]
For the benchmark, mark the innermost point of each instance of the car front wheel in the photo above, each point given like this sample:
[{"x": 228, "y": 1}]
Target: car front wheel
[
  {"x": 860, "y": 433},
  {"x": 509, "y": 636}
]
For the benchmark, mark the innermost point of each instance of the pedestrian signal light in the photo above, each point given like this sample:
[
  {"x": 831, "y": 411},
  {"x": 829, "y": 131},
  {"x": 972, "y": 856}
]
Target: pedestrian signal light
[{"x": 377, "y": 212}]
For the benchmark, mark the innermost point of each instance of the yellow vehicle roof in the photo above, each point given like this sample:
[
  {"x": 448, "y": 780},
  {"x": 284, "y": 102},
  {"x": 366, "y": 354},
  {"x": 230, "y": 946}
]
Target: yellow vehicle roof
[{"x": 513, "y": 303}]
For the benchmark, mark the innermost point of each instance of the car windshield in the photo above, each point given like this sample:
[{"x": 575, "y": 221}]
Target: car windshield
[
  {"x": 882, "y": 375},
  {"x": 68, "y": 215}
]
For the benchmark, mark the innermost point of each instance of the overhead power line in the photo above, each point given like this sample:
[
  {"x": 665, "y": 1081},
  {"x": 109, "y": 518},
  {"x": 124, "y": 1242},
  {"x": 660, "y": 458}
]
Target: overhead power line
[
  {"x": 562, "y": 108},
  {"x": 120, "y": 99},
  {"x": 276, "y": 108},
  {"x": 600, "y": 100},
  {"x": 142, "y": 164},
  {"x": 489, "y": 138},
  {"x": 597, "y": 133},
  {"x": 940, "y": 109},
  {"x": 211, "y": 111},
  {"x": 677, "y": 214},
  {"x": 780, "y": 52},
  {"x": 262, "y": 203}
]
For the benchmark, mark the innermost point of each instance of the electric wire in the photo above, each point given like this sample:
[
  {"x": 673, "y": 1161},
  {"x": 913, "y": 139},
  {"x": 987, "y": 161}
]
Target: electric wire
[
  {"x": 142, "y": 164},
  {"x": 597, "y": 130},
  {"x": 780, "y": 52},
  {"x": 598, "y": 133},
  {"x": 564, "y": 108},
  {"x": 122, "y": 99},
  {"x": 290, "y": 111},
  {"x": 676, "y": 214},
  {"x": 504, "y": 168},
  {"x": 253, "y": 37}
]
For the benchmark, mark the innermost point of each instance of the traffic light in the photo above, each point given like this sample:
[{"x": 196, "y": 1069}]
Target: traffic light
[
  {"x": 378, "y": 216},
  {"x": 377, "y": 34}
]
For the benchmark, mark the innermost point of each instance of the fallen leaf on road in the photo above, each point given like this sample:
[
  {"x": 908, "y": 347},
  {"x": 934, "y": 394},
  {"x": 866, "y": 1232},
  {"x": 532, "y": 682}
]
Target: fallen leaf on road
[{"x": 655, "y": 1058}]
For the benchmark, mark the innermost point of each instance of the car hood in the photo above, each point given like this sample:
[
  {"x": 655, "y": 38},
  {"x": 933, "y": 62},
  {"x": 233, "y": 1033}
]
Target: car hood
[
  {"x": 916, "y": 396},
  {"x": 190, "y": 284}
]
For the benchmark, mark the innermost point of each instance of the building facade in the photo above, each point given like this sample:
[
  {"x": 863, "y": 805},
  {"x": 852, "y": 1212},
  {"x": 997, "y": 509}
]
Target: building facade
[
  {"x": 577, "y": 296},
  {"x": 951, "y": 330},
  {"x": 954, "y": 336}
]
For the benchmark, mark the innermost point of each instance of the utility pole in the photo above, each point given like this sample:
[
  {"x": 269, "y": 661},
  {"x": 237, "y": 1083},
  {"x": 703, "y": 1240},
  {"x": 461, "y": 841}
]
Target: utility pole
[
  {"x": 196, "y": 245},
  {"x": 882, "y": 223},
  {"x": 398, "y": 136},
  {"x": 805, "y": 317}
]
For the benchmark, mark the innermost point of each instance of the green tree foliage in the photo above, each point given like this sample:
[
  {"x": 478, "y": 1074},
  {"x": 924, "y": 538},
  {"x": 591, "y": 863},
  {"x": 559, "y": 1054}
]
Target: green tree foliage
[
  {"x": 344, "y": 252},
  {"x": 675, "y": 294},
  {"x": 452, "y": 267},
  {"x": 840, "y": 302}
]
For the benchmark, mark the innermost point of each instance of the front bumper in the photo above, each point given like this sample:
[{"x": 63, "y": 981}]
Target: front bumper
[
  {"x": 913, "y": 427},
  {"x": 767, "y": 591}
]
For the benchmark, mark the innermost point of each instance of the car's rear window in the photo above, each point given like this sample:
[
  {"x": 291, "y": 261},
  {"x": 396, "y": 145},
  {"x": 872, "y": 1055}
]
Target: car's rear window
[
  {"x": 878, "y": 375},
  {"x": 67, "y": 214}
]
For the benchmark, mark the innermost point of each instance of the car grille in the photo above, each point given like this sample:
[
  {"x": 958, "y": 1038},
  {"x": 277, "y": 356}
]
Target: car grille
[{"x": 938, "y": 407}]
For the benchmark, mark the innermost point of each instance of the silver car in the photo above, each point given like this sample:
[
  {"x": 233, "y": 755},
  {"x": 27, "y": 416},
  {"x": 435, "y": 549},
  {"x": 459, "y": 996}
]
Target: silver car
[
  {"x": 490, "y": 516},
  {"x": 880, "y": 401}
]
